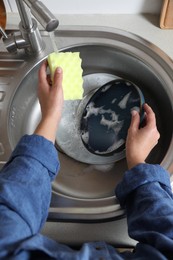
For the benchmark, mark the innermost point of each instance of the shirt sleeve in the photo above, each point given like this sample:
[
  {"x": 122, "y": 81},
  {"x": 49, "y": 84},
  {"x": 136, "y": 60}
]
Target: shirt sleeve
[
  {"x": 25, "y": 189},
  {"x": 145, "y": 192}
]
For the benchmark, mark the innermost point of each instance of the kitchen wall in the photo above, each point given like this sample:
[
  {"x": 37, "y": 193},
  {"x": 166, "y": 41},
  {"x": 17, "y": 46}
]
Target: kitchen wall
[{"x": 97, "y": 6}]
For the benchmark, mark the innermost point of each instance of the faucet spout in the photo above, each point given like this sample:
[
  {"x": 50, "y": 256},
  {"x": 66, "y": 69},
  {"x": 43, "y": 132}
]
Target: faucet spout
[{"x": 44, "y": 16}]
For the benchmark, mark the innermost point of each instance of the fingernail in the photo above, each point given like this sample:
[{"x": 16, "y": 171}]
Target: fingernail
[
  {"x": 134, "y": 112},
  {"x": 59, "y": 70}
]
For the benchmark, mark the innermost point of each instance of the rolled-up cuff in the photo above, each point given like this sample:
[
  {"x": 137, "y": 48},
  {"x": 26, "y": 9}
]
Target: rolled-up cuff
[
  {"x": 40, "y": 149},
  {"x": 140, "y": 175}
]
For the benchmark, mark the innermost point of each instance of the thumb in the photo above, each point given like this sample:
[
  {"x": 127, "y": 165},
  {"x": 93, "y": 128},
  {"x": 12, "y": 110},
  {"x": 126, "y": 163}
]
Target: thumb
[
  {"x": 58, "y": 77},
  {"x": 135, "y": 120}
]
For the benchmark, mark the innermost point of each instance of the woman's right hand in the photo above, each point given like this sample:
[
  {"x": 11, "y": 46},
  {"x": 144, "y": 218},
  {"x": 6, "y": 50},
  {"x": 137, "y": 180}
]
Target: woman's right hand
[
  {"x": 50, "y": 96},
  {"x": 51, "y": 102},
  {"x": 140, "y": 141}
]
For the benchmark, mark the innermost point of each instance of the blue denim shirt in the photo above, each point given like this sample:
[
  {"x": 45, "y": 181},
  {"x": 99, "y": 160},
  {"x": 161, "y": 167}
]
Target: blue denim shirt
[{"x": 25, "y": 193}]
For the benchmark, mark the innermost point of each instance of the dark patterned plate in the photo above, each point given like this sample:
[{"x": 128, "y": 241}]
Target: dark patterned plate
[{"x": 107, "y": 116}]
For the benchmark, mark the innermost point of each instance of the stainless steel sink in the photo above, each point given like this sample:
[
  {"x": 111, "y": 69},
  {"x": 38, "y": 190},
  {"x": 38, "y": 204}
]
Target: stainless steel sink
[{"x": 84, "y": 192}]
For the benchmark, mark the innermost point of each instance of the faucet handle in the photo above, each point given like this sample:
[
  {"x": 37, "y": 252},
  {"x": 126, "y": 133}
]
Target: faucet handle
[
  {"x": 3, "y": 33},
  {"x": 9, "y": 43}
]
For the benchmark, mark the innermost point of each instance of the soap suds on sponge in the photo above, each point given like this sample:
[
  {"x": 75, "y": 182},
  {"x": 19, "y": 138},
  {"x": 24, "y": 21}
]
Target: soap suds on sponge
[{"x": 71, "y": 63}]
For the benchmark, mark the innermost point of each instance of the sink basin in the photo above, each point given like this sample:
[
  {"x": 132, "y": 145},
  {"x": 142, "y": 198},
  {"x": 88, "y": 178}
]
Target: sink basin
[{"x": 85, "y": 191}]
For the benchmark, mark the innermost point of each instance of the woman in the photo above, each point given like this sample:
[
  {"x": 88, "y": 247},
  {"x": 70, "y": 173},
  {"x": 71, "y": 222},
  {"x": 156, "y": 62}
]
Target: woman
[{"x": 25, "y": 190}]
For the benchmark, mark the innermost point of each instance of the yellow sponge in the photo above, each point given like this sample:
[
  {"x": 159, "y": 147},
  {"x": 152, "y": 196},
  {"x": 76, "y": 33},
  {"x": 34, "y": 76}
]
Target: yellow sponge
[{"x": 70, "y": 62}]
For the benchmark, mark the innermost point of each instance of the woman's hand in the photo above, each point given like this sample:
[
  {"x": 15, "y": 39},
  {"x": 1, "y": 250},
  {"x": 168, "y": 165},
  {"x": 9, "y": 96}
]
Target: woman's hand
[
  {"x": 51, "y": 101},
  {"x": 141, "y": 141}
]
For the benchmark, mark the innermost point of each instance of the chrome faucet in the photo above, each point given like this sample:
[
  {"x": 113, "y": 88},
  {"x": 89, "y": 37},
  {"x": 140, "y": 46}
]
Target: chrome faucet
[{"x": 29, "y": 37}]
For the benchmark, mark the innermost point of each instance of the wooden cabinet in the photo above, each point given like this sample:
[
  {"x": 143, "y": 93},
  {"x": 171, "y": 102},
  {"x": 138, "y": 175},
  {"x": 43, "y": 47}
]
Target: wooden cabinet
[{"x": 166, "y": 18}]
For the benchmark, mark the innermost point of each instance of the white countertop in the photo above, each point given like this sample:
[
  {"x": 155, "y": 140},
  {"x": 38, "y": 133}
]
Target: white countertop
[{"x": 146, "y": 26}]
